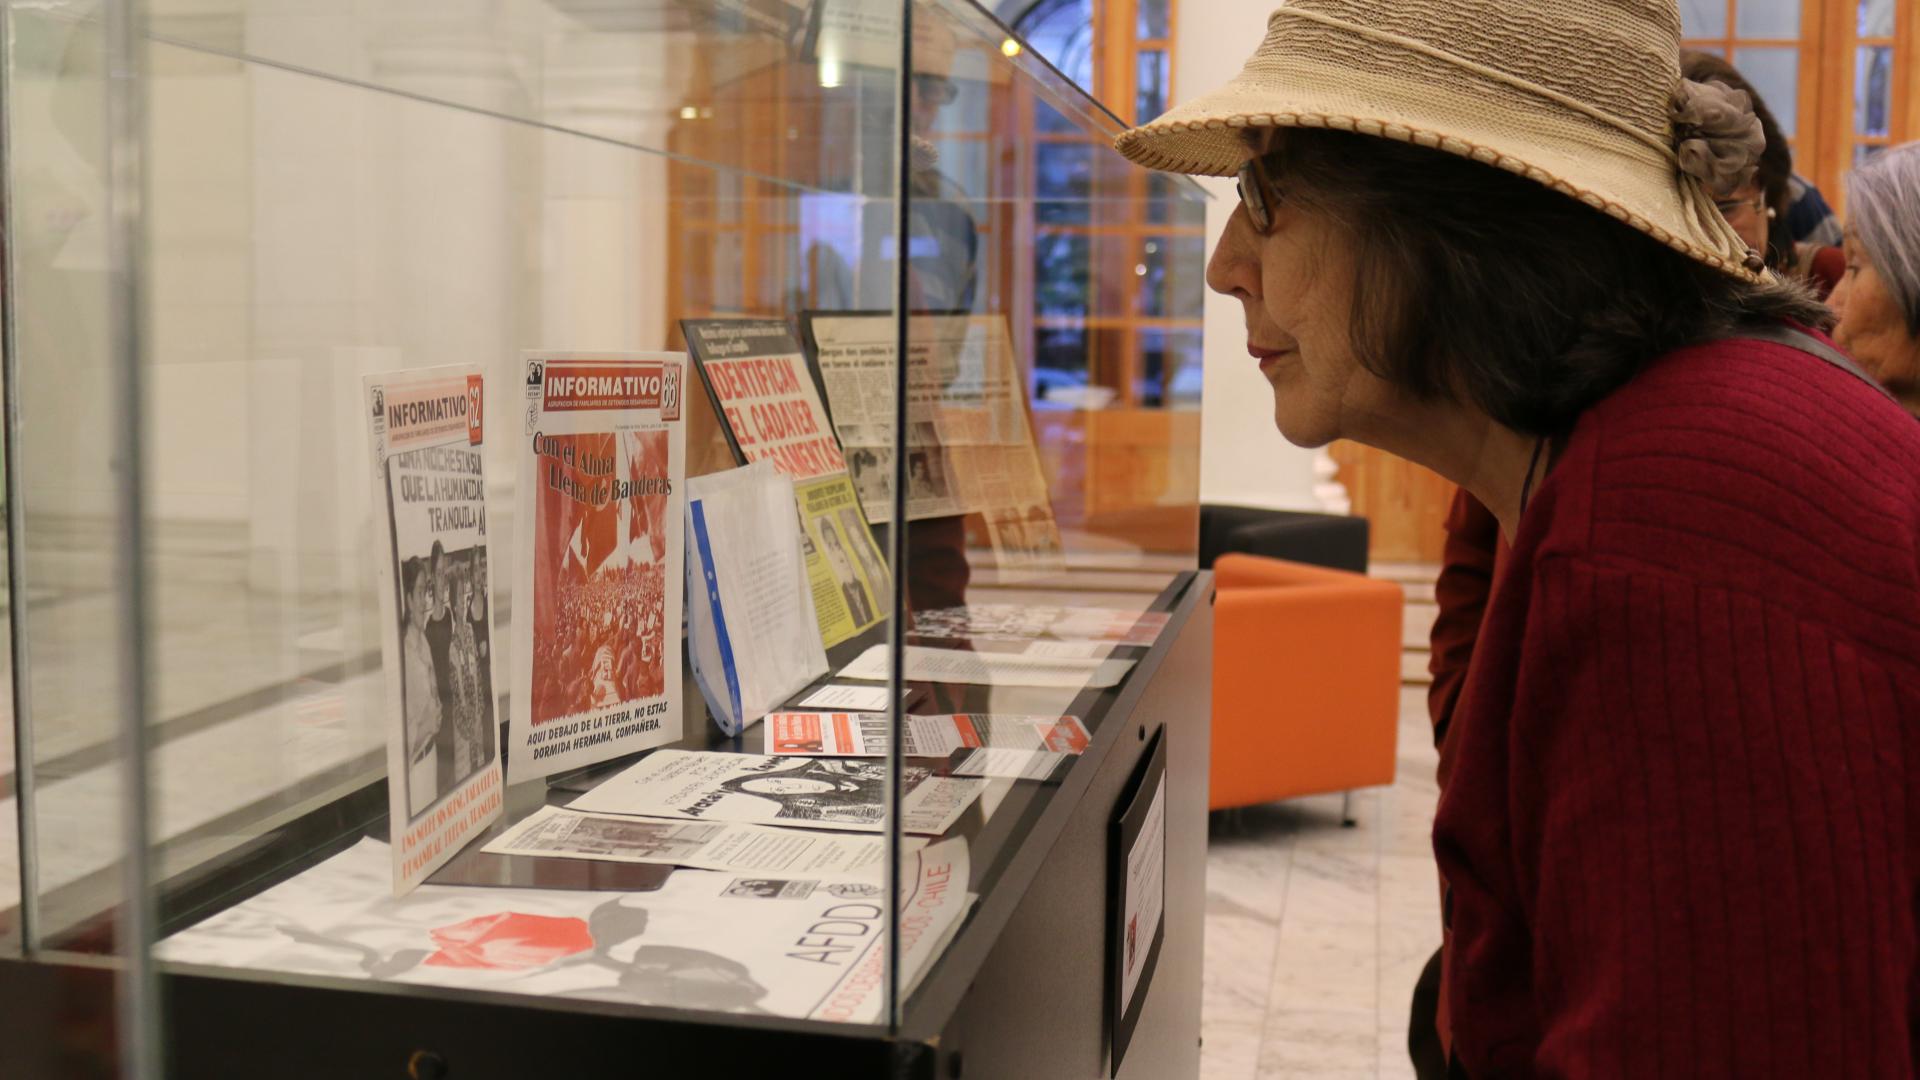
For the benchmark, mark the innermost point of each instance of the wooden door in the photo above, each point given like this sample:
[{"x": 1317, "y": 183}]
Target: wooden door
[{"x": 1405, "y": 505}]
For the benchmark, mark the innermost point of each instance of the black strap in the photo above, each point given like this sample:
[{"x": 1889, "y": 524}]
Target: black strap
[{"x": 1796, "y": 338}]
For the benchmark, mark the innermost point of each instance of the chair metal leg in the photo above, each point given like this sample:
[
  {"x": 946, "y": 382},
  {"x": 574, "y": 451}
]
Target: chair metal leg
[{"x": 1346, "y": 810}]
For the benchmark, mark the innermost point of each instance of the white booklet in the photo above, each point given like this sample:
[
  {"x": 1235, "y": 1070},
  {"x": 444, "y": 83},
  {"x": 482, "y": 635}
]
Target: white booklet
[
  {"x": 428, "y": 436},
  {"x": 597, "y": 572},
  {"x": 815, "y": 793},
  {"x": 780, "y": 945},
  {"x": 702, "y": 845},
  {"x": 755, "y": 642}
]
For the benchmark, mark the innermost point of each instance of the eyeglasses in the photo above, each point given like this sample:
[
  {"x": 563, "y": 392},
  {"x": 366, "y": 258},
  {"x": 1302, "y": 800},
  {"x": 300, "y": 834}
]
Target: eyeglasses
[
  {"x": 1730, "y": 207},
  {"x": 1257, "y": 194}
]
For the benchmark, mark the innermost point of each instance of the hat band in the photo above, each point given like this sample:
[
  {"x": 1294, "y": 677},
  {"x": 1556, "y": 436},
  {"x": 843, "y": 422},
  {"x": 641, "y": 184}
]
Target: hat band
[{"x": 1484, "y": 71}]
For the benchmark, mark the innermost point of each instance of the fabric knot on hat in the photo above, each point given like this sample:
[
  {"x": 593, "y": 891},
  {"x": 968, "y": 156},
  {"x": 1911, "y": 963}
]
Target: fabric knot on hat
[{"x": 1716, "y": 135}]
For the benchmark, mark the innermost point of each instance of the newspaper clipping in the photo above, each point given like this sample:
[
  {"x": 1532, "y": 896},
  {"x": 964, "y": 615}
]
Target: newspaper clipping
[
  {"x": 443, "y": 760},
  {"x": 598, "y": 579},
  {"x": 768, "y": 944},
  {"x": 767, "y": 403},
  {"x": 866, "y": 734},
  {"x": 702, "y": 845},
  {"x": 1032, "y": 623},
  {"x": 969, "y": 444},
  {"x": 808, "y": 792}
]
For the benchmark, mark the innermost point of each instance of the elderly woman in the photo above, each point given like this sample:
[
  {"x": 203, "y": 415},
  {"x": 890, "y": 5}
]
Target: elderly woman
[
  {"x": 1878, "y": 299},
  {"x": 1482, "y": 234}
]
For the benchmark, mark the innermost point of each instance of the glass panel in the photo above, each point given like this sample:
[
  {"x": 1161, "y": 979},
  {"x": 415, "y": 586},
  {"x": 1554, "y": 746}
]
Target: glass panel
[
  {"x": 77, "y": 788},
  {"x": 1169, "y": 369},
  {"x": 340, "y": 191},
  {"x": 1877, "y": 18},
  {"x": 337, "y": 194},
  {"x": 1154, "y": 22},
  {"x": 1049, "y": 471},
  {"x": 1703, "y": 18},
  {"x": 1155, "y": 76},
  {"x": 1063, "y": 274},
  {"x": 1872, "y": 90},
  {"x": 1063, "y": 180},
  {"x": 1775, "y": 73},
  {"x": 1863, "y": 153},
  {"x": 1172, "y": 276},
  {"x": 1773, "y": 19},
  {"x": 1062, "y": 31}
]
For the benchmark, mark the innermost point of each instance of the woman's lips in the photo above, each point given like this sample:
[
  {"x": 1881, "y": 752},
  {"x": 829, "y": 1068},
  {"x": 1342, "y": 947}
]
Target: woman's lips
[{"x": 1265, "y": 356}]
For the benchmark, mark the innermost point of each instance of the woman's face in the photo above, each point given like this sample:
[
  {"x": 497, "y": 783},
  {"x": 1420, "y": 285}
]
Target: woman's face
[
  {"x": 1872, "y": 327},
  {"x": 1296, "y": 288}
]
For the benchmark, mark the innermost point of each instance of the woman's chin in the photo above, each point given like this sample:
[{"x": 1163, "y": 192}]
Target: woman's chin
[{"x": 1308, "y": 433}]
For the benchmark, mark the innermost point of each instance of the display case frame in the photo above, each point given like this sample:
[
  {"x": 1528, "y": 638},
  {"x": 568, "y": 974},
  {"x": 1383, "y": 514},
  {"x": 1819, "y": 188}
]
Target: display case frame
[{"x": 86, "y": 940}]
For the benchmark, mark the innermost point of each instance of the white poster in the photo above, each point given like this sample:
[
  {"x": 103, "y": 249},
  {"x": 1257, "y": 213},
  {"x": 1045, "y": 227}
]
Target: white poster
[
  {"x": 428, "y": 434},
  {"x": 768, "y": 945},
  {"x": 815, "y": 793},
  {"x": 597, "y": 579}
]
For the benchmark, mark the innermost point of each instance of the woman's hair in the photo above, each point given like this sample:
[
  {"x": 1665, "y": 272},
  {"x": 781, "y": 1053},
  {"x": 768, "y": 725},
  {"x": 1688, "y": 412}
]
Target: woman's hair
[
  {"x": 1883, "y": 214},
  {"x": 1474, "y": 284},
  {"x": 1775, "y": 172}
]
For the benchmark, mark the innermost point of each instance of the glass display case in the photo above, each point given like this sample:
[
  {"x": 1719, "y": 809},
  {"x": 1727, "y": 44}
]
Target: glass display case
[{"x": 876, "y": 256}]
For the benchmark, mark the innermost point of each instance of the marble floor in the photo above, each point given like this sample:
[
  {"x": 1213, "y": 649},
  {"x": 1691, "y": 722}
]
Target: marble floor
[{"x": 1316, "y": 933}]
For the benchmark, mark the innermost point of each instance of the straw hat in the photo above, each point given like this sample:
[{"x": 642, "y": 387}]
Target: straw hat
[{"x": 1585, "y": 98}]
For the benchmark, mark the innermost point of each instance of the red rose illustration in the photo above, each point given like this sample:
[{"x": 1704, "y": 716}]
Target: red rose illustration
[{"x": 509, "y": 941}]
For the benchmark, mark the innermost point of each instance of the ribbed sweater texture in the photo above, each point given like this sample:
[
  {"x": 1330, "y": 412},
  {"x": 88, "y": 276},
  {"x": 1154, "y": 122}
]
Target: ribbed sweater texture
[{"x": 1678, "y": 839}]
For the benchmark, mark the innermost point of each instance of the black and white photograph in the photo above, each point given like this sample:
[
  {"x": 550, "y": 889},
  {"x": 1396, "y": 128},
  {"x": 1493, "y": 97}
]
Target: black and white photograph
[
  {"x": 826, "y": 793},
  {"x": 860, "y": 539},
  {"x": 859, "y": 604},
  {"x": 446, "y": 679}
]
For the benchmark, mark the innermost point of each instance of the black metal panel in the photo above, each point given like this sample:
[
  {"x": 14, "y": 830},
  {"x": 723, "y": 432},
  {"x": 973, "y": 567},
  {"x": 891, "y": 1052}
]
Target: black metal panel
[{"x": 1037, "y": 1008}]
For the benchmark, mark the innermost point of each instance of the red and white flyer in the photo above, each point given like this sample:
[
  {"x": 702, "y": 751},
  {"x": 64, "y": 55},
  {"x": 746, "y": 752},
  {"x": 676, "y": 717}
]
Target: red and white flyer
[
  {"x": 597, "y": 578},
  {"x": 428, "y": 435},
  {"x": 820, "y": 734}
]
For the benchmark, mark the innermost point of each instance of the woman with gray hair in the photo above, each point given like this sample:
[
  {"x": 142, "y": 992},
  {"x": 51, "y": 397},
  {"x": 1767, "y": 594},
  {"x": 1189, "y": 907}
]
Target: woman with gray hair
[{"x": 1878, "y": 299}]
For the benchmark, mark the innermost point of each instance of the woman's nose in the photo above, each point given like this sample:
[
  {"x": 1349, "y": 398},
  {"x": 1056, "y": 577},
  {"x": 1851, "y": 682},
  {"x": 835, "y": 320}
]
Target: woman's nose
[{"x": 1233, "y": 270}]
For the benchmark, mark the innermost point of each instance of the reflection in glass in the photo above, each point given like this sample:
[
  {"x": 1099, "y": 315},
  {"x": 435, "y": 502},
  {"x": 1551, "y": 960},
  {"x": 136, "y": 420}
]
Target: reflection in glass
[
  {"x": 1063, "y": 182},
  {"x": 1775, "y": 72},
  {"x": 1768, "y": 19},
  {"x": 1872, "y": 89},
  {"x": 1062, "y": 274},
  {"x": 1169, "y": 369},
  {"x": 1703, "y": 18},
  {"x": 1062, "y": 31},
  {"x": 1864, "y": 153},
  {"x": 1059, "y": 366}
]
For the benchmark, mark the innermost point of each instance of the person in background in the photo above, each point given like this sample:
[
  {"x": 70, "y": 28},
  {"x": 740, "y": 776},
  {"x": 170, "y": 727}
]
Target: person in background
[
  {"x": 1762, "y": 210},
  {"x": 1671, "y": 840},
  {"x": 1809, "y": 219},
  {"x": 1878, "y": 300}
]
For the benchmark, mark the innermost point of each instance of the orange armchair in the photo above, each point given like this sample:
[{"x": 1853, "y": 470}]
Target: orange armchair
[{"x": 1306, "y": 680}]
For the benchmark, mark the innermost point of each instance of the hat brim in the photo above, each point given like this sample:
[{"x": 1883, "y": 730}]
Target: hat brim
[{"x": 1626, "y": 179}]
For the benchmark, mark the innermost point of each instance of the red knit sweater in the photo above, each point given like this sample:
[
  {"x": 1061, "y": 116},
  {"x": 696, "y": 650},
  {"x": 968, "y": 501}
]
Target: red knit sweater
[{"x": 1678, "y": 839}]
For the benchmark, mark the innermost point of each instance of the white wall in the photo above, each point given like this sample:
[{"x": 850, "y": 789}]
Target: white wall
[{"x": 1243, "y": 459}]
